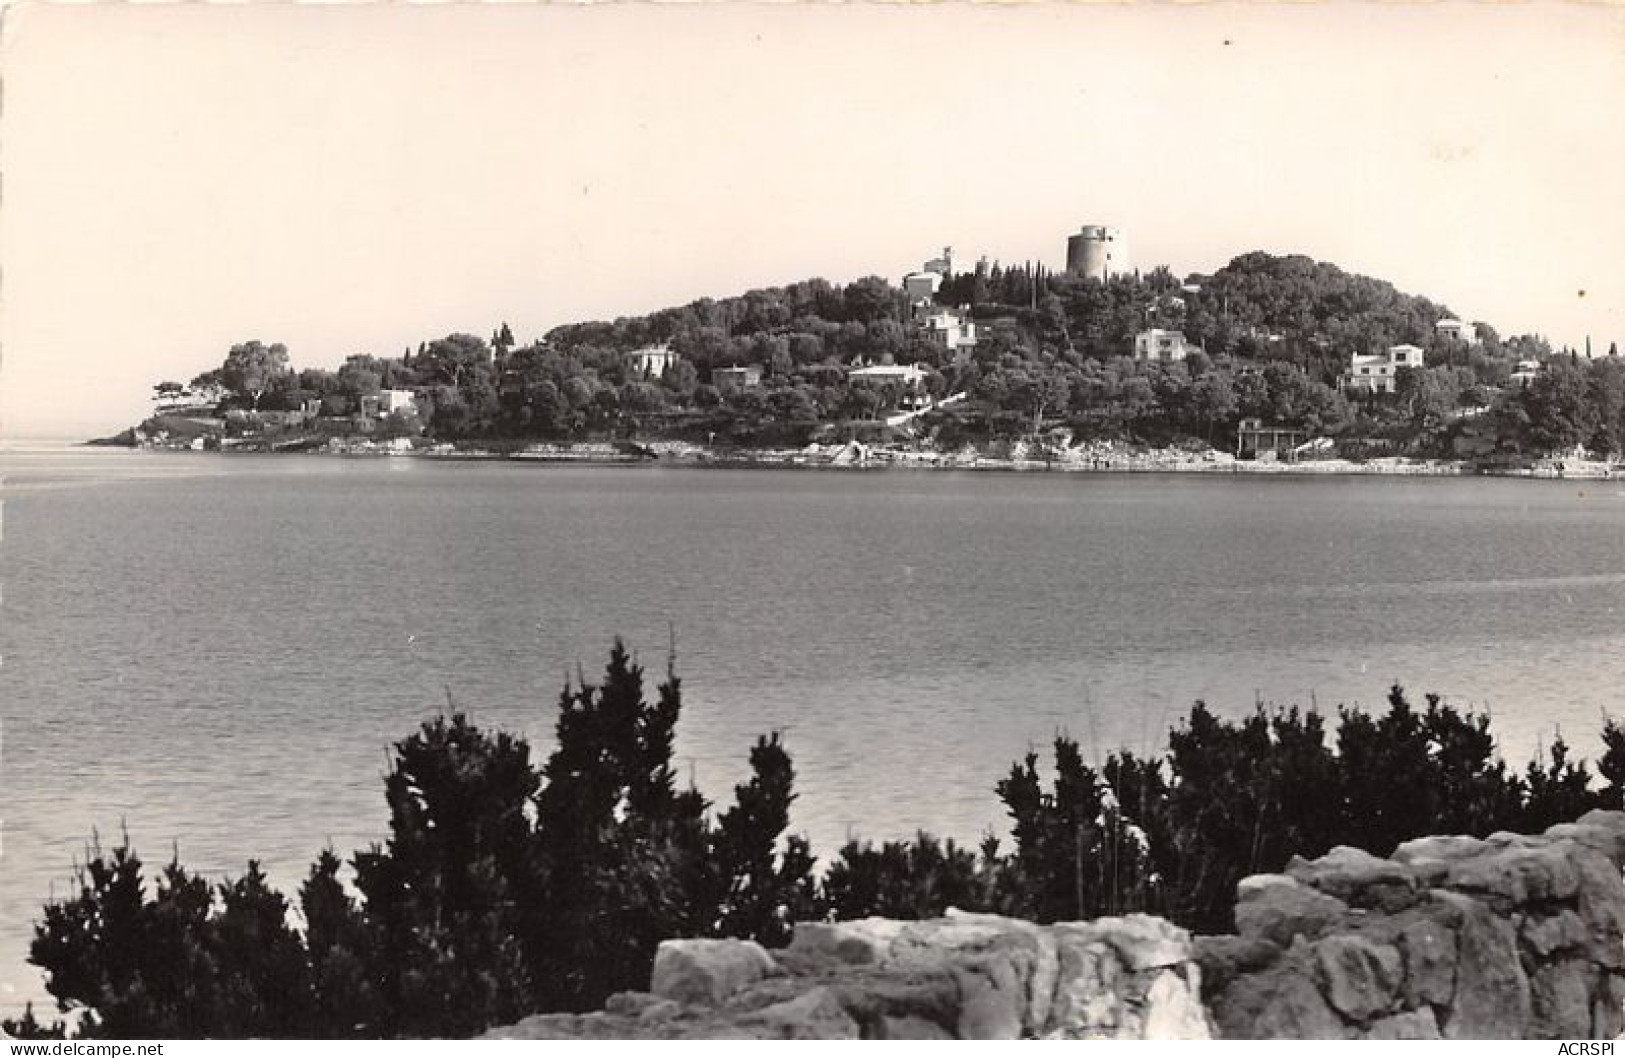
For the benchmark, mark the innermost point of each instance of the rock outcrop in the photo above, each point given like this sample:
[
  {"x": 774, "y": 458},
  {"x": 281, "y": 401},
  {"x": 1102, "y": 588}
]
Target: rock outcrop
[
  {"x": 965, "y": 976},
  {"x": 1512, "y": 936},
  {"x": 1509, "y": 937}
]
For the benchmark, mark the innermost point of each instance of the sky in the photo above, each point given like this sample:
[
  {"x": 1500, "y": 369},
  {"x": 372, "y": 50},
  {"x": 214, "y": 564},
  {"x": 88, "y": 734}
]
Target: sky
[{"x": 348, "y": 179}]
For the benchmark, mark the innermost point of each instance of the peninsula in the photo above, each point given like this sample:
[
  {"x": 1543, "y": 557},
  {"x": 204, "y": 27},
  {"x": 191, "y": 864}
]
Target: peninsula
[{"x": 1270, "y": 363}]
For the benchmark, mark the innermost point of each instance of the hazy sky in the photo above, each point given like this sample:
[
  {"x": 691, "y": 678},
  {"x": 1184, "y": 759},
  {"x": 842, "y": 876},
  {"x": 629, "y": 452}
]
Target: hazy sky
[{"x": 357, "y": 179}]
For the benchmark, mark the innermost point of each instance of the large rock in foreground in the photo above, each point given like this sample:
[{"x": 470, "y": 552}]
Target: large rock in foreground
[
  {"x": 964, "y": 976},
  {"x": 1511, "y": 937},
  {"x": 708, "y": 971}
]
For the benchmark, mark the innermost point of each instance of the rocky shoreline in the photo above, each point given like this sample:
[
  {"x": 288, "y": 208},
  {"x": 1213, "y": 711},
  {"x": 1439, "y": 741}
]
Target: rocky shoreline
[
  {"x": 1089, "y": 457},
  {"x": 1101, "y": 459}
]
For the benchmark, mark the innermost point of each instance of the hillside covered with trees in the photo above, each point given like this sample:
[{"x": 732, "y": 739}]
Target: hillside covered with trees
[{"x": 1053, "y": 352}]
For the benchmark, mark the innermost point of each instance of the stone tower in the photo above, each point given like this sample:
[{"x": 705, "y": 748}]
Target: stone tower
[{"x": 1098, "y": 252}]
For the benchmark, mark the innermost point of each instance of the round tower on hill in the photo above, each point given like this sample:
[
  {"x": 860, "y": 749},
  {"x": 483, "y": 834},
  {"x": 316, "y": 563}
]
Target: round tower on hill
[{"x": 1097, "y": 252}]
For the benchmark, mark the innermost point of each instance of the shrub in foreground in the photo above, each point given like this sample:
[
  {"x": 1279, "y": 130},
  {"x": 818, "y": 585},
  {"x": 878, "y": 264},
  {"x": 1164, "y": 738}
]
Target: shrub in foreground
[
  {"x": 502, "y": 890},
  {"x": 505, "y": 889}
]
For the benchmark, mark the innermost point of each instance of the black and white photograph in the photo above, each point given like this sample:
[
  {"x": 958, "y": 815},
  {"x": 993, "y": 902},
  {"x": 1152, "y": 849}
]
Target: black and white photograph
[{"x": 812, "y": 521}]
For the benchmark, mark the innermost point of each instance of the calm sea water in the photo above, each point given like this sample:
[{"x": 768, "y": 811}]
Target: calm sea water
[{"x": 216, "y": 652}]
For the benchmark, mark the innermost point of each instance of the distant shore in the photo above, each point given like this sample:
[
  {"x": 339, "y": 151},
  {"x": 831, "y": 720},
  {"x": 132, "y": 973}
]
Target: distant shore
[{"x": 1098, "y": 457}]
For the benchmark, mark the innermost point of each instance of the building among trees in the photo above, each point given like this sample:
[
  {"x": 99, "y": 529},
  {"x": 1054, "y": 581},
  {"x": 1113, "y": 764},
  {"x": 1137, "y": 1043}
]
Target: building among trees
[
  {"x": 747, "y": 377},
  {"x": 1160, "y": 345},
  {"x": 1098, "y": 252},
  {"x": 1255, "y": 439},
  {"x": 1527, "y": 371},
  {"x": 950, "y": 330},
  {"x": 1379, "y": 373},
  {"x": 1456, "y": 331},
  {"x": 651, "y": 361}
]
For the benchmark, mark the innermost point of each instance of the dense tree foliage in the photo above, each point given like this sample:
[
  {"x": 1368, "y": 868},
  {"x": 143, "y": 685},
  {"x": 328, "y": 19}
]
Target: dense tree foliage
[
  {"x": 909, "y": 879},
  {"x": 1054, "y": 350},
  {"x": 1232, "y": 798},
  {"x": 194, "y": 959},
  {"x": 502, "y": 889},
  {"x": 250, "y": 370},
  {"x": 505, "y": 889}
]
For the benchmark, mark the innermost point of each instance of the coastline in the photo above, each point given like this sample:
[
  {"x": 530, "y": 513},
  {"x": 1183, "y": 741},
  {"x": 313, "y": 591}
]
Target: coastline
[{"x": 1088, "y": 459}]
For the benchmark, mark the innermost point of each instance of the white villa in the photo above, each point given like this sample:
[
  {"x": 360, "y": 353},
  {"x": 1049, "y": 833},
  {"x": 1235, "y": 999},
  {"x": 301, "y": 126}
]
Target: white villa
[
  {"x": 1456, "y": 331},
  {"x": 653, "y": 360},
  {"x": 394, "y": 400},
  {"x": 906, "y": 374},
  {"x": 386, "y": 402},
  {"x": 950, "y": 330},
  {"x": 1378, "y": 373},
  {"x": 1527, "y": 372},
  {"x": 1157, "y": 344},
  {"x": 910, "y": 378}
]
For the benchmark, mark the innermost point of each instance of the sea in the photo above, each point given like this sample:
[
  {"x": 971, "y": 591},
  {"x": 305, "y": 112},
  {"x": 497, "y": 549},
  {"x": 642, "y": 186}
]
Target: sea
[{"x": 210, "y": 656}]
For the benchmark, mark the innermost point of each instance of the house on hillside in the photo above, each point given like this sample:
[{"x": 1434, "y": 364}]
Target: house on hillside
[
  {"x": 909, "y": 378},
  {"x": 950, "y": 330},
  {"x": 906, "y": 374},
  {"x": 652, "y": 361},
  {"x": 1527, "y": 372},
  {"x": 391, "y": 401},
  {"x": 747, "y": 377},
  {"x": 1378, "y": 373},
  {"x": 1456, "y": 331},
  {"x": 387, "y": 402},
  {"x": 1160, "y": 346}
]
